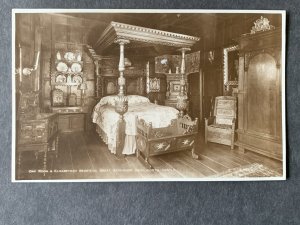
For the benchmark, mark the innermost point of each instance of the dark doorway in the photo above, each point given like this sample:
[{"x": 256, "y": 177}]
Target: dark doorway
[{"x": 195, "y": 101}]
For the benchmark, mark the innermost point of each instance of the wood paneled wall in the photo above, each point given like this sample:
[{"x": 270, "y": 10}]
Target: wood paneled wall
[
  {"x": 218, "y": 33},
  {"x": 28, "y": 36},
  {"x": 67, "y": 33}
]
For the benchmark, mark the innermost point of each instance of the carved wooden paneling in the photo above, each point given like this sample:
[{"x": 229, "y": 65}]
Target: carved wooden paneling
[
  {"x": 60, "y": 32},
  {"x": 192, "y": 62},
  {"x": 28, "y": 105},
  {"x": 110, "y": 86},
  {"x": 167, "y": 64},
  {"x": 89, "y": 70},
  {"x": 262, "y": 94}
]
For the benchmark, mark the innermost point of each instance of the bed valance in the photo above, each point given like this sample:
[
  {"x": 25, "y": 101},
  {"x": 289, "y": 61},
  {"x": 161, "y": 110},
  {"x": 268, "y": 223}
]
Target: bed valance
[{"x": 142, "y": 36}]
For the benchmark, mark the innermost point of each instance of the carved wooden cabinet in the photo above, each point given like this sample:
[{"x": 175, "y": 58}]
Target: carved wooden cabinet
[
  {"x": 259, "y": 94},
  {"x": 37, "y": 134},
  {"x": 38, "y": 129},
  {"x": 72, "y": 84},
  {"x": 170, "y": 66},
  {"x": 173, "y": 89}
]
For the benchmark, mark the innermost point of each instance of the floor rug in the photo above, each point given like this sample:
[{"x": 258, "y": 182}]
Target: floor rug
[{"x": 252, "y": 170}]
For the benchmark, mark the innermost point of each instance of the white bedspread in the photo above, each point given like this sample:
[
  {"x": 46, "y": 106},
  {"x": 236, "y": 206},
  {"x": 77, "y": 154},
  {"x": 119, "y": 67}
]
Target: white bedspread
[{"x": 107, "y": 119}]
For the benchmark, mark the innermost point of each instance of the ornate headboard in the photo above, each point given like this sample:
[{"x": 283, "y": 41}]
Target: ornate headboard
[
  {"x": 135, "y": 85},
  {"x": 135, "y": 82}
]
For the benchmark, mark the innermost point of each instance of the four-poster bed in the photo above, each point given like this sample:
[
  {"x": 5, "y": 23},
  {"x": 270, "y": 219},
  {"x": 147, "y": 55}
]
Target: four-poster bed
[{"x": 119, "y": 112}]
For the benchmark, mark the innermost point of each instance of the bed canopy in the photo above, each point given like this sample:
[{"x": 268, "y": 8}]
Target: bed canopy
[{"x": 121, "y": 35}]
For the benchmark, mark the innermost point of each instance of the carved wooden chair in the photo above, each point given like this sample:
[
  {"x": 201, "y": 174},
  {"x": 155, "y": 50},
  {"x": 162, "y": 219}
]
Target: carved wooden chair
[{"x": 220, "y": 128}]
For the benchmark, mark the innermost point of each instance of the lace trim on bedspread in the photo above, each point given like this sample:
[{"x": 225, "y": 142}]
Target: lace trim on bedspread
[{"x": 104, "y": 138}]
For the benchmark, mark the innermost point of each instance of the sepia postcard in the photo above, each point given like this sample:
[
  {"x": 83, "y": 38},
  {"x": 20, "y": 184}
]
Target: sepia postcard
[{"x": 148, "y": 95}]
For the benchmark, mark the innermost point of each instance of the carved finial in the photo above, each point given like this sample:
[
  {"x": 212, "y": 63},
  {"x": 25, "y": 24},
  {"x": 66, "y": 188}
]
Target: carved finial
[{"x": 261, "y": 24}]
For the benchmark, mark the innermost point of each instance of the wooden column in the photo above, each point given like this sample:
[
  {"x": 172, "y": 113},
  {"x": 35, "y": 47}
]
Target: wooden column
[
  {"x": 97, "y": 73},
  {"x": 182, "y": 98},
  {"x": 121, "y": 103}
]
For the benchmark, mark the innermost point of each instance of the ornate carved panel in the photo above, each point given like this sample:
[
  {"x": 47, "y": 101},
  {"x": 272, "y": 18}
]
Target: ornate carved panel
[
  {"x": 28, "y": 105},
  {"x": 57, "y": 97},
  {"x": 160, "y": 146},
  {"x": 154, "y": 84},
  {"x": 262, "y": 91},
  {"x": 192, "y": 62}
]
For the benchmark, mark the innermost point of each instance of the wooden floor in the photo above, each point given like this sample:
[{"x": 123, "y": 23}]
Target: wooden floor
[{"x": 85, "y": 156}]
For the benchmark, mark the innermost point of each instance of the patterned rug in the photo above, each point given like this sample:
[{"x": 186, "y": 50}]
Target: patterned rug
[{"x": 252, "y": 170}]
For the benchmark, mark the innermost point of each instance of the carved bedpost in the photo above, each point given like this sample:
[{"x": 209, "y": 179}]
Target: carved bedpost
[
  {"x": 182, "y": 99},
  {"x": 97, "y": 67},
  {"x": 121, "y": 103}
]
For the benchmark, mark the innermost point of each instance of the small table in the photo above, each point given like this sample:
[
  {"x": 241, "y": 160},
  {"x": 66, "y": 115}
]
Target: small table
[{"x": 38, "y": 134}]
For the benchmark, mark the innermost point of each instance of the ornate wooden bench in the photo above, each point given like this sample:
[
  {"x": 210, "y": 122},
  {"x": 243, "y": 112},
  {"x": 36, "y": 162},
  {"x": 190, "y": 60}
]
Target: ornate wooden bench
[{"x": 179, "y": 135}]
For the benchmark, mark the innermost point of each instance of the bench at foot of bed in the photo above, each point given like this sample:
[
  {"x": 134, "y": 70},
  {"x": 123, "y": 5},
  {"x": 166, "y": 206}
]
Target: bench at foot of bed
[{"x": 178, "y": 136}]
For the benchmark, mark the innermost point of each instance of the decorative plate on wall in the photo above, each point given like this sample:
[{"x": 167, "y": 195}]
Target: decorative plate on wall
[
  {"x": 62, "y": 67},
  {"x": 77, "y": 79},
  {"x": 69, "y": 56},
  {"x": 76, "y": 68},
  {"x": 60, "y": 78}
]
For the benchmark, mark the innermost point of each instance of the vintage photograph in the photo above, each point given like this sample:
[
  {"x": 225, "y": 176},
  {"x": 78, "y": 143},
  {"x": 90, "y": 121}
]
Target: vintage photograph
[{"x": 148, "y": 95}]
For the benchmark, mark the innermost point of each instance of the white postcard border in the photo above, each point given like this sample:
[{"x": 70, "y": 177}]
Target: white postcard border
[{"x": 55, "y": 11}]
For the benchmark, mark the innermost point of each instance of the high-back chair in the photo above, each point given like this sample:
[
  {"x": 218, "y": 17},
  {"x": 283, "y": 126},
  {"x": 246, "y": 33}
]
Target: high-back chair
[{"x": 220, "y": 128}]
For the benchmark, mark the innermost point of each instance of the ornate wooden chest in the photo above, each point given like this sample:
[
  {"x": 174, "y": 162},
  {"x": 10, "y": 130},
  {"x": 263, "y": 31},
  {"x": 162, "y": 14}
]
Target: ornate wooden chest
[
  {"x": 179, "y": 135},
  {"x": 38, "y": 134},
  {"x": 39, "y": 129}
]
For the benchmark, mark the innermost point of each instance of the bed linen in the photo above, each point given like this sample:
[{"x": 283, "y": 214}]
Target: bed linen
[{"x": 106, "y": 118}]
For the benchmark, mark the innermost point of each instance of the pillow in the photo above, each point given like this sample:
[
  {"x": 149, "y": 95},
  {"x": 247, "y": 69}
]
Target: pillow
[
  {"x": 133, "y": 99},
  {"x": 108, "y": 100}
]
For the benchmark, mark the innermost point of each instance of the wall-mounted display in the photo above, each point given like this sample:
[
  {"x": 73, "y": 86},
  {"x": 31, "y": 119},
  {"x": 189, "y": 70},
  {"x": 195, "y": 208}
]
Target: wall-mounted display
[
  {"x": 66, "y": 74},
  {"x": 77, "y": 79},
  {"x": 70, "y": 56},
  {"x": 62, "y": 67},
  {"x": 76, "y": 67},
  {"x": 60, "y": 78}
]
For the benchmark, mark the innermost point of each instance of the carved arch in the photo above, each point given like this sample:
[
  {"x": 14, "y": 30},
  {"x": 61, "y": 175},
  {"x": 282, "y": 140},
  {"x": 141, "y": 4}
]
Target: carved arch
[{"x": 274, "y": 53}]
